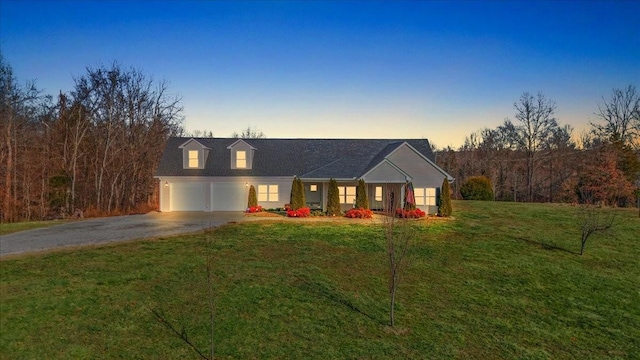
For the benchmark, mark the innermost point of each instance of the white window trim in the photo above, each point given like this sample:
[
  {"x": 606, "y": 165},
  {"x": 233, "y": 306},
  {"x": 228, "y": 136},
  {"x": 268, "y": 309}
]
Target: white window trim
[
  {"x": 191, "y": 159},
  {"x": 425, "y": 196},
  {"x": 378, "y": 193},
  {"x": 268, "y": 193},
  {"x": 347, "y": 194},
  {"x": 239, "y": 159}
]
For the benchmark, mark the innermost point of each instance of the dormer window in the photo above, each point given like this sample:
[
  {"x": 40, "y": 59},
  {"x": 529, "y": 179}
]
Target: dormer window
[
  {"x": 242, "y": 155},
  {"x": 241, "y": 159},
  {"x": 194, "y": 154},
  {"x": 193, "y": 159}
]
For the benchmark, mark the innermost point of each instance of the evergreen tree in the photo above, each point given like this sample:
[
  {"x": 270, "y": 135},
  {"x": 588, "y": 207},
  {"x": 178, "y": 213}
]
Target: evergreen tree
[
  {"x": 361, "y": 196},
  {"x": 297, "y": 199},
  {"x": 302, "y": 201},
  {"x": 253, "y": 199},
  {"x": 333, "y": 198},
  {"x": 292, "y": 195},
  {"x": 445, "y": 199},
  {"x": 293, "y": 199}
]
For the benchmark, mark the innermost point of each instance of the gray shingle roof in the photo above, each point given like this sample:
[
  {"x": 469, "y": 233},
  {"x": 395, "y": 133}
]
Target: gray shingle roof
[{"x": 307, "y": 158}]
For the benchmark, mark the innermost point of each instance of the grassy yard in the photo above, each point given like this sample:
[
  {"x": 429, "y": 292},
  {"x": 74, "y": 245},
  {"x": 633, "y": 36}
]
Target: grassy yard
[
  {"x": 8, "y": 228},
  {"x": 502, "y": 280}
]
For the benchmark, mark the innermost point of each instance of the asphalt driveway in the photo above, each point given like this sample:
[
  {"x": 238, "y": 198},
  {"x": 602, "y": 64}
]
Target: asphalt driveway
[{"x": 113, "y": 229}]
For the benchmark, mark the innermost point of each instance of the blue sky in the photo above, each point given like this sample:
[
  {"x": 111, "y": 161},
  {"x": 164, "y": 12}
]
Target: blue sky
[{"x": 436, "y": 70}]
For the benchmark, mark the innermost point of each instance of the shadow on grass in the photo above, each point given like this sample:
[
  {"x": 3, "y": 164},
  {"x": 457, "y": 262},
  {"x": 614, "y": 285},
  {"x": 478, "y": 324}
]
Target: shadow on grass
[
  {"x": 325, "y": 290},
  {"x": 546, "y": 246}
]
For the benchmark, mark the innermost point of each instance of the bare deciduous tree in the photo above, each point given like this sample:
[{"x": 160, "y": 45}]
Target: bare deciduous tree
[
  {"x": 131, "y": 118},
  {"x": 592, "y": 219},
  {"x": 198, "y": 133},
  {"x": 620, "y": 116},
  {"x": 97, "y": 148},
  {"x": 398, "y": 234},
  {"x": 535, "y": 125},
  {"x": 16, "y": 106},
  {"x": 249, "y": 133}
]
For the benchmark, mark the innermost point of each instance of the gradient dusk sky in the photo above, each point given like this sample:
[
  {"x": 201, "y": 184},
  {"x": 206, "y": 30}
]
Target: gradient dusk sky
[{"x": 299, "y": 69}]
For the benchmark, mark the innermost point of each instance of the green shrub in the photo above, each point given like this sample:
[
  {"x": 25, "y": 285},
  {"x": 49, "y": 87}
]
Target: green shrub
[
  {"x": 361, "y": 196},
  {"x": 477, "y": 188},
  {"x": 303, "y": 198},
  {"x": 293, "y": 197},
  {"x": 253, "y": 198},
  {"x": 445, "y": 209},
  {"x": 333, "y": 198},
  {"x": 297, "y": 199}
]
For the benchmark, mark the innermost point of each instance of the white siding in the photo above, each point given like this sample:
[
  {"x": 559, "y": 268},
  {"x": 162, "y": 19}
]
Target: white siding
[
  {"x": 283, "y": 184},
  {"x": 421, "y": 171},
  {"x": 165, "y": 199},
  {"x": 384, "y": 173}
]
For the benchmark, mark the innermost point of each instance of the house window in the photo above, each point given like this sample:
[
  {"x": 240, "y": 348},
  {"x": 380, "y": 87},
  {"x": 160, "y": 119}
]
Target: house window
[
  {"x": 313, "y": 187},
  {"x": 347, "y": 194},
  {"x": 267, "y": 192},
  {"x": 378, "y": 194},
  {"x": 193, "y": 159},
  {"x": 425, "y": 196},
  {"x": 241, "y": 159}
]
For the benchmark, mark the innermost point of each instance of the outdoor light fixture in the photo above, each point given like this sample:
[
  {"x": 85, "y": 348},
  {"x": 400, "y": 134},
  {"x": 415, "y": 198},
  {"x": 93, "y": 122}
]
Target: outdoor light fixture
[
  {"x": 166, "y": 184},
  {"x": 246, "y": 184}
]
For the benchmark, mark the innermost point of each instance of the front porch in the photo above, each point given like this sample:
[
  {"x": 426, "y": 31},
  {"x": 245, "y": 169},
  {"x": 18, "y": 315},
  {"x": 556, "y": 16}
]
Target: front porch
[{"x": 381, "y": 196}]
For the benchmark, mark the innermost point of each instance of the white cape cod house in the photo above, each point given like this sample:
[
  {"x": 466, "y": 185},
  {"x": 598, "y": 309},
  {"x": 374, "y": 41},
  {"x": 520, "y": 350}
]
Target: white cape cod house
[{"x": 214, "y": 174}]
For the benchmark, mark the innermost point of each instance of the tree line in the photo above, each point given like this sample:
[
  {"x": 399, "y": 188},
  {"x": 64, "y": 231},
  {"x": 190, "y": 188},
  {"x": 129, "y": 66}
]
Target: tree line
[
  {"x": 94, "y": 148},
  {"x": 535, "y": 159}
]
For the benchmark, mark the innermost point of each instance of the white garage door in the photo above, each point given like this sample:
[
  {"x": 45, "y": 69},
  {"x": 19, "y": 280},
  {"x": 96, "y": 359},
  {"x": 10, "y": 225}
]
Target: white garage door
[
  {"x": 230, "y": 197},
  {"x": 188, "y": 196}
]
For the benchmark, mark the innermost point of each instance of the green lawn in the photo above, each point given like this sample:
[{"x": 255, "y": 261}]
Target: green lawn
[
  {"x": 8, "y": 228},
  {"x": 502, "y": 280}
]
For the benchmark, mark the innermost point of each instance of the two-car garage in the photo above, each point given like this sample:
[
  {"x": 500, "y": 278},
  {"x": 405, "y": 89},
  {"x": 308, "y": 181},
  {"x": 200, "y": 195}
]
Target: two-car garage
[{"x": 203, "y": 196}]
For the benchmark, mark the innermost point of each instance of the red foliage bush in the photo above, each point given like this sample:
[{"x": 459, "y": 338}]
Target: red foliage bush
[
  {"x": 302, "y": 212},
  {"x": 410, "y": 214},
  {"x": 254, "y": 209},
  {"x": 359, "y": 214}
]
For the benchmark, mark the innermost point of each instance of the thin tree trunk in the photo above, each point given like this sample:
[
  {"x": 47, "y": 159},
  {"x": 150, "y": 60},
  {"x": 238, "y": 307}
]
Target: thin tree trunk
[
  {"x": 7, "y": 213},
  {"x": 392, "y": 303},
  {"x": 78, "y": 136}
]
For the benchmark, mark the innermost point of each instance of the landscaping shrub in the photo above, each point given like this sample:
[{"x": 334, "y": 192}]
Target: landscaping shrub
[
  {"x": 445, "y": 209},
  {"x": 297, "y": 199},
  {"x": 301, "y": 212},
  {"x": 477, "y": 188},
  {"x": 333, "y": 198},
  {"x": 254, "y": 209},
  {"x": 361, "y": 195},
  {"x": 359, "y": 213},
  {"x": 302, "y": 199},
  {"x": 253, "y": 198},
  {"x": 410, "y": 214}
]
